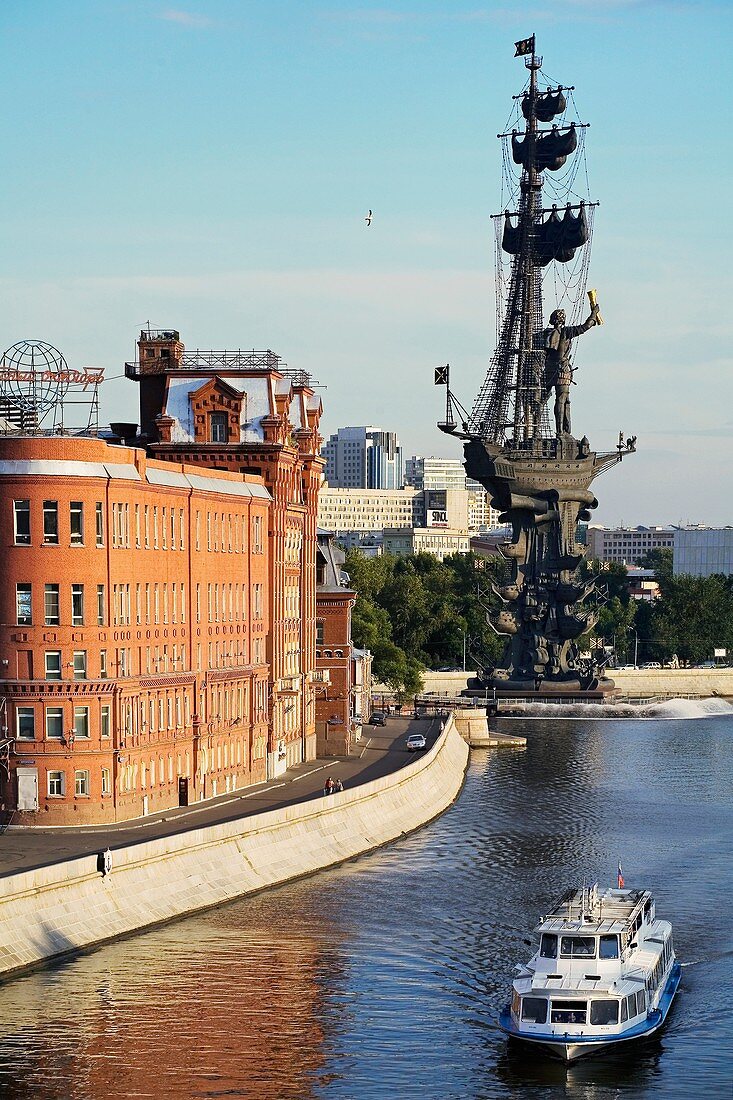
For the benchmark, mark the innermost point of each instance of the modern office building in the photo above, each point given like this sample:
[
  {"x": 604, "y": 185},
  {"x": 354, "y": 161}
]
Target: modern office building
[
  {"x": 627, "y": 545},
  {"x": 360, "y": 517},
  {"x": 449, "y": 473},
  {"x": 363, "y": 458},
  {"x": 702, "y": 551}
]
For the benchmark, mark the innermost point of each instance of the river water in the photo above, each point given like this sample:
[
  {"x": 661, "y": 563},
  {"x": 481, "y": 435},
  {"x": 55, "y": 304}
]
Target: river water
[{"x": 382, "y": 978}]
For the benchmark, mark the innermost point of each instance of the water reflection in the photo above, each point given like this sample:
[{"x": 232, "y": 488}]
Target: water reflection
[{"x": 383, "y": 978}]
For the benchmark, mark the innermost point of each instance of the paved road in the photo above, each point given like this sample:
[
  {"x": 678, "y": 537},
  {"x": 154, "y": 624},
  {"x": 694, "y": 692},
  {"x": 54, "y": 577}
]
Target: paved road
[{"x": 380, "y": 751}]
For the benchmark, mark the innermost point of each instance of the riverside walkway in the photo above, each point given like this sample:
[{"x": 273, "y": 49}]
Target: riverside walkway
[{"x": 380, "y": 751}]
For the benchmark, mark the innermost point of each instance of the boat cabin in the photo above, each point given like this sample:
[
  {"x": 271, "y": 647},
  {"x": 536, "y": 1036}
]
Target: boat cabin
[{"x": 601, "y": 962}]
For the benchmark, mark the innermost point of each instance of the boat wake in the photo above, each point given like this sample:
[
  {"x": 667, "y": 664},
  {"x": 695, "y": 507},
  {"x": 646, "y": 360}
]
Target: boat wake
[{"x": 668, "y": 709}]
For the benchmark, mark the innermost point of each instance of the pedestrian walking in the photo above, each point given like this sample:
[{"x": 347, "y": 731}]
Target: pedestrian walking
[{"x": 339, "y": 785}]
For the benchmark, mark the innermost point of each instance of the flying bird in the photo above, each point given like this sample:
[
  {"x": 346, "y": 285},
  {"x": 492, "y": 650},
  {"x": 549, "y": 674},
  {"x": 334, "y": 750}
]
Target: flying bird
[{"x": 368, "y": 218}]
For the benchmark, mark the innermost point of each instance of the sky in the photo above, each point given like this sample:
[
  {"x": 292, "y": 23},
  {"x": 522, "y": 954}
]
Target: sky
[{"x": 208, "y": 167}]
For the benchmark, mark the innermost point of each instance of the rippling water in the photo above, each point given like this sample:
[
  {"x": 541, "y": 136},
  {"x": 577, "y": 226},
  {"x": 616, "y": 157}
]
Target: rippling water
[{"x": 383, "y": 978}]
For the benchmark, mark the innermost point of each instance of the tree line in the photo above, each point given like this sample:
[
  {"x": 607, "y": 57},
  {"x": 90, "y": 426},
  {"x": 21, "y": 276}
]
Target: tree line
[{"x": 415, "y": 613}]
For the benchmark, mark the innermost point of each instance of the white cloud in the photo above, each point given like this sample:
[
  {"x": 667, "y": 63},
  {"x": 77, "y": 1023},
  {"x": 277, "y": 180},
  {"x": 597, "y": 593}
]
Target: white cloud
[{"x": 185, "y": 18}]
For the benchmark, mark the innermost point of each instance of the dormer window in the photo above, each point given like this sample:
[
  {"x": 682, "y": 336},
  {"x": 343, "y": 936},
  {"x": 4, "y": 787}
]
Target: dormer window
[{"x": 218, "y": 428}]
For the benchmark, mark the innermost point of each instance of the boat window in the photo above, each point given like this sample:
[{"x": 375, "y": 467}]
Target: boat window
[
  {"x": 534, "y": 1010},
  {"x": 631, "y": 1002},
  {"x": 624, "y": 1010},
  {"x": 569, "y": 1012},
  {"x": 548, "y": 946},
  {"x": 640, "y": 1001},
  {"x": 608, "y": 947},
  {"x": 578, "y": 945},
  {"x": 604, "y": 1012}
]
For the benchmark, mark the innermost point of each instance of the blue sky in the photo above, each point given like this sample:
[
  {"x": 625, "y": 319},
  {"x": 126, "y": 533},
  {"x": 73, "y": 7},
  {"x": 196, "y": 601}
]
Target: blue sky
[{"x": 208, "y": 166}]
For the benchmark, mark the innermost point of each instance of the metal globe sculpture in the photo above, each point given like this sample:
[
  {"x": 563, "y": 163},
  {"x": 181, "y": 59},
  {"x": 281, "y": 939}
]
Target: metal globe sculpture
[{"x": 34, "y": 377}]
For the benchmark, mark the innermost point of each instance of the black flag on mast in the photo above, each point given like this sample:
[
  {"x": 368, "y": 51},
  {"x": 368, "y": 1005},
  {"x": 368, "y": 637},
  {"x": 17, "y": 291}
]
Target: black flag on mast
[
  {"x": 441, "y": 376},
  {"x": 525, "y": 45}
]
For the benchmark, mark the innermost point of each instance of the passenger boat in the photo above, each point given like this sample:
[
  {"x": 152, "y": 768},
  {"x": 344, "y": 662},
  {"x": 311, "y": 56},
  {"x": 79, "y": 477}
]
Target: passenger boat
[{"x": 604, "y": 973}]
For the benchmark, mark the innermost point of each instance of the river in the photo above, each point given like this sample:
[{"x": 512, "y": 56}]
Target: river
[{"x": 382, "y": 978}]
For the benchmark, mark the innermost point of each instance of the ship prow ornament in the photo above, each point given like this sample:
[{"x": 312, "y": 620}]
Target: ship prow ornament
[{"x": 518, "y": 438}]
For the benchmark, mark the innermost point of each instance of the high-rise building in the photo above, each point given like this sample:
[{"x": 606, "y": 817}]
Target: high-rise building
[{"x": 363, "y": 458}]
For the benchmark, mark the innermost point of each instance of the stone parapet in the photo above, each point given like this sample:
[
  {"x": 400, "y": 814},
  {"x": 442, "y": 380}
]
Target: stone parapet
[{"x": 64, "y": 907}]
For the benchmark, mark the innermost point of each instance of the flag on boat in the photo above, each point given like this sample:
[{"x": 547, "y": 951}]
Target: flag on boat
[
  {"x": 525, "y": 45},
  {"x": 441, "y": 375},
  {"x": 621, "y": 881}
]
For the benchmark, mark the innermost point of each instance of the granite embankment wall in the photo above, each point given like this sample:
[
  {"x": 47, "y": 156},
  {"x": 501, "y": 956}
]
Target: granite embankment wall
[
  {"x": 639, "y": 681},
  {"x": 65, "y": 907}
]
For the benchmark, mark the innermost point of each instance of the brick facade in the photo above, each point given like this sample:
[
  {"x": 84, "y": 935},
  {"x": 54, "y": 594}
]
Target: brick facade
[{"x": 134, "y": 626}]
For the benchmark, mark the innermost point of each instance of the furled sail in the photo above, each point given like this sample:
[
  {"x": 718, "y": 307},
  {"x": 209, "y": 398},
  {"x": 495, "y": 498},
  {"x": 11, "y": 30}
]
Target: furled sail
[
  {"x": 554, "y": 239},
  {"x": 551, "y": 149},
  {"x": 548, "y": 105}
]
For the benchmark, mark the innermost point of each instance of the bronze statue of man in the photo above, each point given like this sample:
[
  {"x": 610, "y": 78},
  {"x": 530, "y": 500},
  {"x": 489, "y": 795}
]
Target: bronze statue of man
[{"x": 558, "y": 370}]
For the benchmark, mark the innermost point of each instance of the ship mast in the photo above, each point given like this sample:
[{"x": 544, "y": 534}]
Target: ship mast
[{"x": 526, "y": 407}]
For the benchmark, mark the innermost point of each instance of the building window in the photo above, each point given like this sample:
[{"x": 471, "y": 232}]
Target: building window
[
  {"x": 106, "y": 781},
  {"x": 100, "y": 605},
  {"x": 54, "y": 723},
  {"x": 22, "y": 522},
  {"x": 81, "y": 784},
  {"x": 319, "y": 633},
  {"x": 103, "y": 664},
  {"x": 99, "y": 522},
  {"x": 50, "y": 521},
  {"x": 105, "y": 725},
  {"x": 53, "y": 664},
  {"x": 81, "y": 721},
  {"x": 24, "y": 604},
  {"x": 218, "y": 429},
  {"x": 55, "y": 784},
  {"x": 76, "y": 522},
  {"x": 25, "y": 723},
  {"x": 80, "y": 664},
  {"x": 257, "y": 547},
  {"x": 77, "y": 605},
  {"x": 51, "y": 604}
]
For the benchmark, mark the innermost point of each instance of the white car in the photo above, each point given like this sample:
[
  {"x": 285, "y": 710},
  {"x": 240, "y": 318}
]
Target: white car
[{"x": 415, "y": 742}]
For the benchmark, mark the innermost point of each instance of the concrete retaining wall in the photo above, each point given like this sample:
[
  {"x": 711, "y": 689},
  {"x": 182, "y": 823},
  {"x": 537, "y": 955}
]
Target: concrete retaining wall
[
  {"x": 67, "y": 906},
  {"x": 683, "y": 681},
  {"x": 640, "y": 681}
]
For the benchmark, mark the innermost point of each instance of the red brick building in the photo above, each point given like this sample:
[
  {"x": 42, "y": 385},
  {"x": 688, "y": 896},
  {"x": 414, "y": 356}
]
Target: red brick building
[
  {"x": 245, "y": 412},
  {"x": 158, "y": 607},
  {"x": 134, "y": 623},
  {"x": 335, "y": 705}
]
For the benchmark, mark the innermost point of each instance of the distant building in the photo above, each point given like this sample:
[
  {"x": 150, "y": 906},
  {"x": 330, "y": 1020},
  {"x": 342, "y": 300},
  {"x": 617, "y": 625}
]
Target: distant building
[
  {"x": 702, "y": 551},
  {"x": 642, "y": 584},
  {"x": 336, "y": 727},
  {"x": 363, "y": 458},
  {"x": 361, "y": 518},
  {"x": 449, "y": 473},
  {"x": 440, "y": 542},
  {"x": 627, "y": 545}
]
